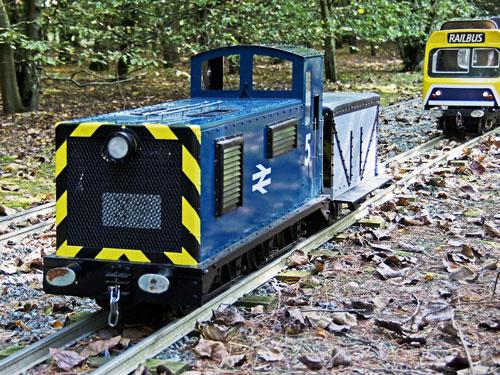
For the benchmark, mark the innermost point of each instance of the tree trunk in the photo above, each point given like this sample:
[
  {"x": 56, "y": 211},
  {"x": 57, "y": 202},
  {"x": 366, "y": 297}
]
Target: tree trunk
[
  {"x": 330, "y": 63},
  {"x": 412, "y": 51},
  {"x": 330, "y": 60},
  {"x": 169, "y": 51},
  {"x": 129, "y": 15},
  {"x": 8, "y": 84},
  {"x": 353, "y": 45},
  {"x": 99, "y": 66},
  {"x": 28, "y": 72}
]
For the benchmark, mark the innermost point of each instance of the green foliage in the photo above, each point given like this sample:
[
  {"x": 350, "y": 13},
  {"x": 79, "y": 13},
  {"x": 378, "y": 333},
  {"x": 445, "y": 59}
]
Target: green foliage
[
  {"x": 139, "y": 32},
  {"x": 386, "y": 20}
]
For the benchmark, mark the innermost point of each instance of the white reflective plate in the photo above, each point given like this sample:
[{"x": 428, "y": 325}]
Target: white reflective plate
[
  {"x": 62, "y": 276},
  {"x": 153, "y": 283}
]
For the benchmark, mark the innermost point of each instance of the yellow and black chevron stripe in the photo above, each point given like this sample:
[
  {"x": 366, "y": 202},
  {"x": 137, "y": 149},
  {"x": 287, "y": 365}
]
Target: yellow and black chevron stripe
[{"x": 190, "y": 138}]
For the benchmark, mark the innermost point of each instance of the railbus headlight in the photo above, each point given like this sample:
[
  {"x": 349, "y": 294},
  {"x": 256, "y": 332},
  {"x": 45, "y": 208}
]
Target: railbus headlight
[
  {"x": 121, "y": 146},
  {"x": 436, "y": 94},
  {"x": 487, "y": 94}
]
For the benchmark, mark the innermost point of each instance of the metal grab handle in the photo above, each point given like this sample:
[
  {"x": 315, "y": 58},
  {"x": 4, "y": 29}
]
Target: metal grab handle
[{"x": 114, "y": 313}]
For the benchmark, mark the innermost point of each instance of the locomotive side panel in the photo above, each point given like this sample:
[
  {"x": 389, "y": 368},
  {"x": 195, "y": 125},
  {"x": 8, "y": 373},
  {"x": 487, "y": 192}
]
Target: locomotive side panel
[{"x": 273, "y": 183}]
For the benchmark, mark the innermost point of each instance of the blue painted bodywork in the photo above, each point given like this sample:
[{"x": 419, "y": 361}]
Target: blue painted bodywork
[{"x": 296, "y": 177}]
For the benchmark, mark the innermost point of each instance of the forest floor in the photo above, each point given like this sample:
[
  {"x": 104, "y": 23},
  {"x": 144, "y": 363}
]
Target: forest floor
[{"x": 415, "y": 297}]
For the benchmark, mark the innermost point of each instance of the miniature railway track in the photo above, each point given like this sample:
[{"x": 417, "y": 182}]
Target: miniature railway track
[
  {"x": 412, "y": 152},
  {"x": 28, "y": 357},
  {"x": 128, "y": 360},
  {"x": 23, "y": 216},
  {"x": 398, "y": 107}
]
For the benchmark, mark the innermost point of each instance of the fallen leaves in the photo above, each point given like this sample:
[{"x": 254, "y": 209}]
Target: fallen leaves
[
  {"x": 211, "y": 349},
  {"x": 312, "y": 362},
  {"x": 100, "y": 346},
  {"x": 270, "y": 355},
  {"x": 298, "y": 258},
  {"x": 491, "y": 229},
  {"x": 387, "y": 272},
  {"x": 66, "y": 359}
]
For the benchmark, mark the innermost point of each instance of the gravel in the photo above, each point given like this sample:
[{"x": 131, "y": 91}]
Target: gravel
[{"x": 28, "y": 314}]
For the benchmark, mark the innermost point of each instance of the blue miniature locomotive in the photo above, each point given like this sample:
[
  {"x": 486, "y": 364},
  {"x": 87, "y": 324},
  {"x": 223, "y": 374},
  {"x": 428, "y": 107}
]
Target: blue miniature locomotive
[{"x": 169, "y": 204}]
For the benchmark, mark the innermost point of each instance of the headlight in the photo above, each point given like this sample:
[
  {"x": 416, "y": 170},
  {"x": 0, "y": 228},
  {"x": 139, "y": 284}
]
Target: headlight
[
  {"x": 477, "y": 113},
  {"x": 487, "y": 95},
  {"x": 436, "y": 93},
  {"x": 121, "y": 146}
]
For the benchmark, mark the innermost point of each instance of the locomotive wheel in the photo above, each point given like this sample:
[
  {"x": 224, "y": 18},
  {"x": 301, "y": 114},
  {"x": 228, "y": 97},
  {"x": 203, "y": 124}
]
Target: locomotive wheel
[
  {"x": 489, "y": 124},
  {"x": 179, "y": 311},
  {"x": 480, "y": 127},
  {"x": 256, "y": 257},
  {"x": 448, "y": 125}
]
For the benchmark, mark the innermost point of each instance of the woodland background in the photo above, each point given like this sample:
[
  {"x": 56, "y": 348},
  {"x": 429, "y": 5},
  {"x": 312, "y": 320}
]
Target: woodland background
[{"x": 123, "y": 37}]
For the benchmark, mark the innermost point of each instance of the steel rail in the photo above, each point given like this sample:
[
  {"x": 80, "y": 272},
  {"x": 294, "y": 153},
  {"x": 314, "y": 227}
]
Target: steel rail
[
  {"x": 397, "y": 107},
  {"x": 20, "y": 216},
  {"x": 23, "y": 232},
  {"x": 32, "y": 355},
  {"x": 43, "y": 209},
  {"x": 412, "y": 152},
  {"x": 166, "y": 336}
]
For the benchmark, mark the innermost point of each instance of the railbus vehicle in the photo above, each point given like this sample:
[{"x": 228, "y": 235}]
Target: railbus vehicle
[{"x": 462, "y": 75}]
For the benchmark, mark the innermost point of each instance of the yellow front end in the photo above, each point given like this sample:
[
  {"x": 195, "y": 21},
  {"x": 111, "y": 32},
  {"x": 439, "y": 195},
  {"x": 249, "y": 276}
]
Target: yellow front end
[{"x": 462, "y": 68}]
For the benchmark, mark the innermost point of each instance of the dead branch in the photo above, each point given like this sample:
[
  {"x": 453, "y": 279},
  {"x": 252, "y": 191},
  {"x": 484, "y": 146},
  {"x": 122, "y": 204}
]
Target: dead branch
[
  {"x": 103, "y": 81},
  {"x": 464, "y": 344},
  {"x": 417, "y": 310},
  {"x": 495, "y": 286},
  {"x": 475, "y": 303}
]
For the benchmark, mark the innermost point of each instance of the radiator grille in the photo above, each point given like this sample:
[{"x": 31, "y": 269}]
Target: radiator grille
[
  {"x": 229, "y": 175},
  {"x": 131, "y": 205},
  {"x": 131, "y": 210},
  {"x": 281, "y": 138}
]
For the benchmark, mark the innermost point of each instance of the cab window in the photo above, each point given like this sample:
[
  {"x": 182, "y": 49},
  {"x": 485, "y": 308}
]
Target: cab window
[
  {"x": 485, "y": 58},
  {"x": 272, "y": 73},
  {"x": 221, "y": 73},
  {"x": 451, "y": 60}
]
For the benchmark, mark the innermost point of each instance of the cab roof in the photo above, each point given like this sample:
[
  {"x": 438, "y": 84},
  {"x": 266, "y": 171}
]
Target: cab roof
[
  {"x": 299, "y": 51},
  {"x": 491, "y": 24}
]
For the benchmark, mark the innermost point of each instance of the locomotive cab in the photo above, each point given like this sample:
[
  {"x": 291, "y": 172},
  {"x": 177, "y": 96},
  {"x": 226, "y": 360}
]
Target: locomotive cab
[
  {"x": 169, "y": 204},
  {"x": 462, "y": 75}
]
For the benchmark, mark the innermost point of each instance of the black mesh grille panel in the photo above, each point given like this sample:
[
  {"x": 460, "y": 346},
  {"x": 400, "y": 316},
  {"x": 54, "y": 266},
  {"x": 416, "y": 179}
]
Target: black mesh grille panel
[
  {"x": 131, "y": 210},
  {"x": 130, "y": 205}
]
